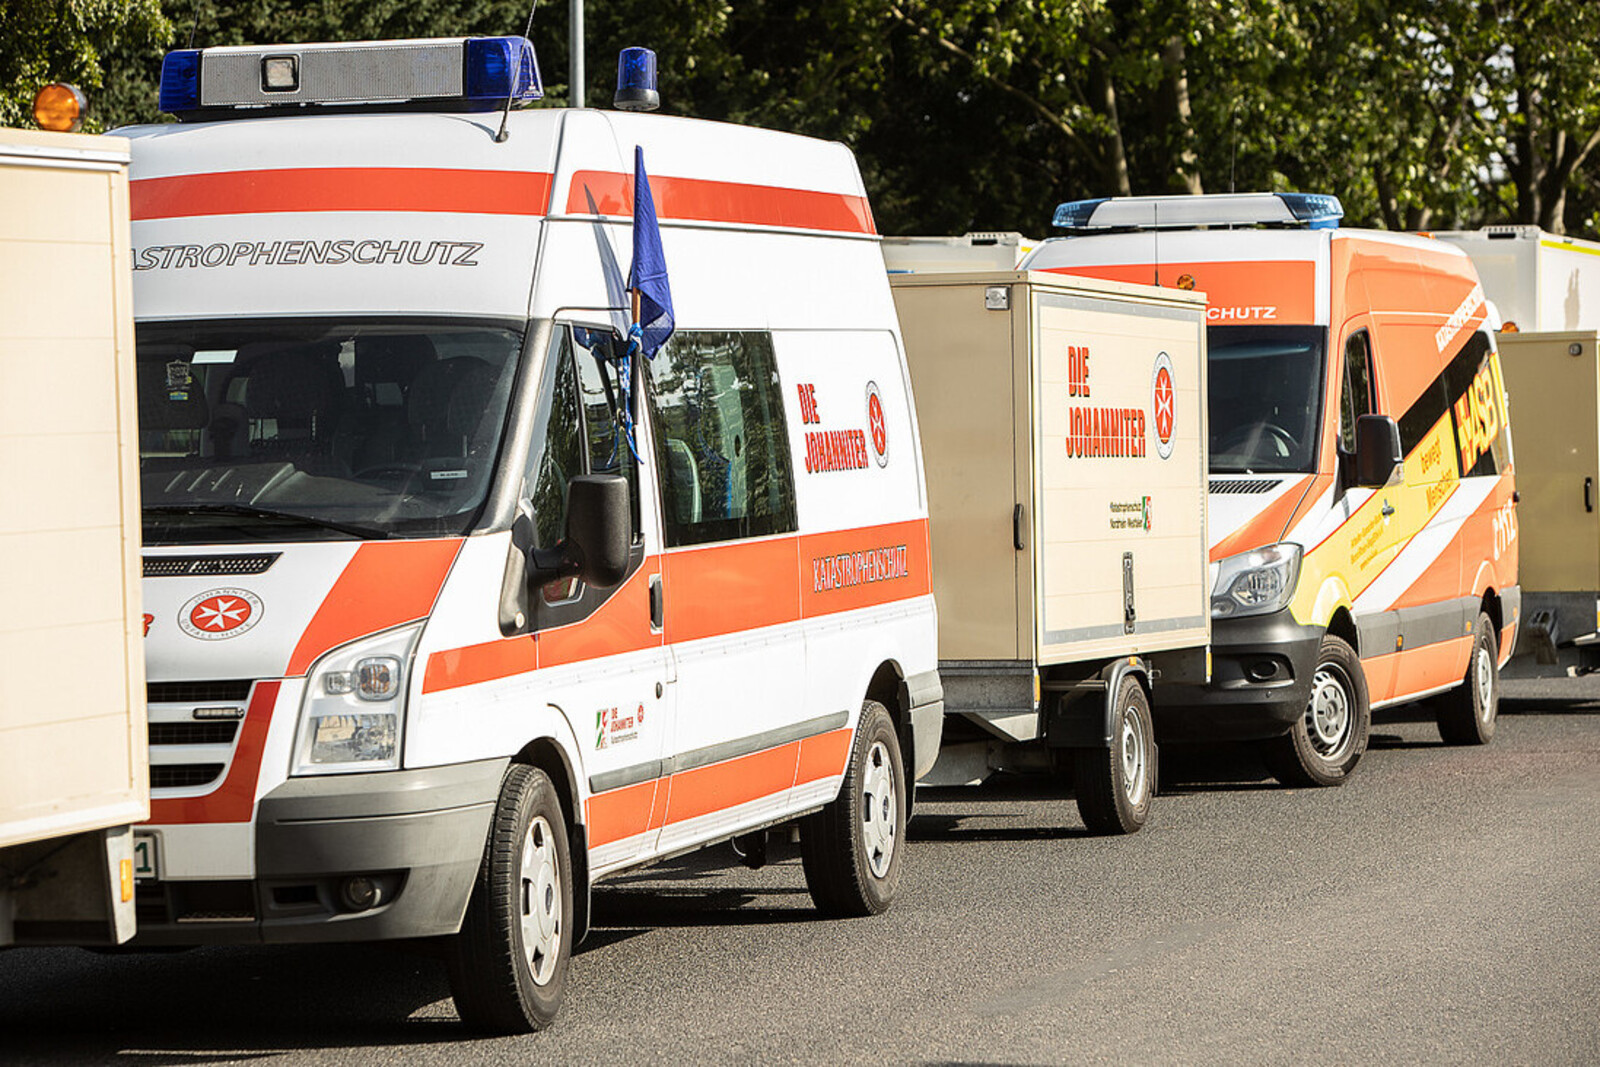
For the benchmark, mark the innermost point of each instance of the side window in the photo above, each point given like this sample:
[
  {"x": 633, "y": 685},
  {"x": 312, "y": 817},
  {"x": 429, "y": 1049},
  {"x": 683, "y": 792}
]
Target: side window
[
  {"x": 578, "y": 434},
  {"x": 1357, "y": 398},
  {"x": 722, "y": 447}
]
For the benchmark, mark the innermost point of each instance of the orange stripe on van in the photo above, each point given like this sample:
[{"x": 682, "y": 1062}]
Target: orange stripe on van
[
  {"x": 386, "y": 583},
  {"x": 823, "y": 756},
  {"x": 706, "y": 790},
  {"x": 621, "y": 813},
  {"x": 732, "y": 587},
  {"x": 1242, "y": 293},
  {"x": 1267, "y": 526},
  {"x": 850, "y": 569},
  {"x": 598, "y": 192},
  {"x": 426, "y": 189},
  {"x": 235, "y": 799},
  {"x": 710, "y": 591}
]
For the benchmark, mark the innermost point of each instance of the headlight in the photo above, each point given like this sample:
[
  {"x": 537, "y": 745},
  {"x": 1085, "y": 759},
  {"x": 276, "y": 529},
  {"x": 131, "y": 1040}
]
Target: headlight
[
  {"x": 1254, "y": 583},
  {"x": 354, "y": 706}
]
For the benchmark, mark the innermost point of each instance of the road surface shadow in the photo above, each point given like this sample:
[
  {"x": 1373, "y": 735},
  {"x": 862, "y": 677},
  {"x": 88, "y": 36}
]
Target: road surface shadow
[
  {"x": 933, "y": 827},
  {"x": 209, "y": 1004}
]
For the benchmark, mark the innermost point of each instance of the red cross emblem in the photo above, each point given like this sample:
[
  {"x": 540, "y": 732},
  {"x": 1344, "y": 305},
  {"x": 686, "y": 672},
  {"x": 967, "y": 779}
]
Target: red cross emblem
[{"x": 219, "y": 614}]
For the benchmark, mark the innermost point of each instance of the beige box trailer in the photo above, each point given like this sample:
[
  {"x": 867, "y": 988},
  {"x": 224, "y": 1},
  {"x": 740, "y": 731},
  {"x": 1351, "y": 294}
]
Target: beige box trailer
[
  {"x": 1063, "y": 423},
  {"x": 73, "y": 772},
  {"x": 1553, "y": 389}
]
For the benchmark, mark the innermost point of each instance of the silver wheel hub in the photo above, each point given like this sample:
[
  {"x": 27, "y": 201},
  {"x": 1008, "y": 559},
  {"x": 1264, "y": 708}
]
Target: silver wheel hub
[
  {"x": 539, "y": 890},
  {"x": 878, "y": 809},
  {"x": 1328, "y": 714},
  {"x": 1134, "y": 751},
  {"x": 1484, "y": 676}
]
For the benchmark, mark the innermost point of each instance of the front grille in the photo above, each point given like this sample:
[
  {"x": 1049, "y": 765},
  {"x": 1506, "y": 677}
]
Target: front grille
[
  {"x": 198, "y": 692},
  {"x": 1258, "y": 485},
  {"x": 183, "y": 775},
  {"x": 193, "y": 733},
  {"x": 186, "y": 566}
]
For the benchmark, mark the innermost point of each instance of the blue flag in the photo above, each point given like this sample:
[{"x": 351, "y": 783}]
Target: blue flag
[{"x": 648, "y": 275}]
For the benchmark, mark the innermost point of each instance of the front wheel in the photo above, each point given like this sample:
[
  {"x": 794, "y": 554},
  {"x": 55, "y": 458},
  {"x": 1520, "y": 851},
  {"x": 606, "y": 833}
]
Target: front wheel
[
  {"x": 1114, "y": 787},
  {"x": 850, "y": 850},
  {"x": 508, "y": 965},
  {"x": 1328, "y": 739},
  {"x": 1467, "y": 713}
]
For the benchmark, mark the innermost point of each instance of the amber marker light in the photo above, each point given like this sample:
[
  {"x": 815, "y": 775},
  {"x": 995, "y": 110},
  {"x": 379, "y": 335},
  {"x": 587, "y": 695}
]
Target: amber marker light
[
  {"x": 1186, "y": 282},
  {"x": 1510, "y": 327},
  {"x": 59, "y": 107}
]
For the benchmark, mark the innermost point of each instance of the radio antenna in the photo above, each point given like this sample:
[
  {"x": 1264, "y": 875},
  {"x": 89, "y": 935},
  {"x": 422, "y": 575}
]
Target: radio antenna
[
  {"x": 1155, "y": 235},
  {"x": 511, "y": 93},
  {"x": 195, "y": 24}
]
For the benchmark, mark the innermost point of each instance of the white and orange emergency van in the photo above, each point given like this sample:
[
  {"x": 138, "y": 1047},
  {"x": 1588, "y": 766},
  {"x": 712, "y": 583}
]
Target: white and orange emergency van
[
  {"x": 453, "y": 607},
  {"x": 1362, "y": 505}
]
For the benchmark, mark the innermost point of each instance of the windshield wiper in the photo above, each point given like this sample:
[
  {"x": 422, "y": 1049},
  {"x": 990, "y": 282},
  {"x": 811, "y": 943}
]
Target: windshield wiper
[{"x": 366, "y": 533}]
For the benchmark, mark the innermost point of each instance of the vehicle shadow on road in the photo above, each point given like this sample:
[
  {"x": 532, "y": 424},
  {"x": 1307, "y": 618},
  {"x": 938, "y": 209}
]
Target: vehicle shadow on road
[{"x": 235, "y": 1004}]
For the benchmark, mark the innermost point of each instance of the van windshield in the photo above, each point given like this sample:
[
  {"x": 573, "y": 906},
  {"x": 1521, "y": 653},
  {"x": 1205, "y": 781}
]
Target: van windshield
[
  {"x": 1265, "y": 384},
  {"x": 292, "y": 429}
]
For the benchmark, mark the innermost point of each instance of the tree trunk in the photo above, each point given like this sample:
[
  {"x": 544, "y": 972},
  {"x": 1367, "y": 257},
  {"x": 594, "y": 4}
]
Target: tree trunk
[
  {"x": 1187, "y": 171},
  {"x": 1104, "y": 94}
]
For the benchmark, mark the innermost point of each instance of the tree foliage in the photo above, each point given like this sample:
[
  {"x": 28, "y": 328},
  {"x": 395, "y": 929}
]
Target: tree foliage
[{"x": 983, "y": 114}]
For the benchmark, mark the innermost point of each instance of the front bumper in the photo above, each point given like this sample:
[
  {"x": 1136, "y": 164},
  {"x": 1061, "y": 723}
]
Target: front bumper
[
  {"x": 416, "y": 837},
  {"x": 1261, "y": 671}
]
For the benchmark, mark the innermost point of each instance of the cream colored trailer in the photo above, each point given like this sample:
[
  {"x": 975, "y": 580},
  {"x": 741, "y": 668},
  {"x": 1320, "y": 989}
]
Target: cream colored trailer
[
  {"x": 73, "y": 772},
  {"x": 1553, "y": 388},
  {"x": 1063, "y": 422}
]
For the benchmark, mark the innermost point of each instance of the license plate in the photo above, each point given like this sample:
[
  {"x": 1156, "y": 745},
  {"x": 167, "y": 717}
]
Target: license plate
[{"x": 146, "y": 858}]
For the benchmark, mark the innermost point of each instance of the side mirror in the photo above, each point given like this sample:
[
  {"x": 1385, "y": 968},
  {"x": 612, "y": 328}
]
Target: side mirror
[
  {"x": 1377, "y": 450},
  {"x": 598, "y": 528},
  {"x": 598, "y": 541}
]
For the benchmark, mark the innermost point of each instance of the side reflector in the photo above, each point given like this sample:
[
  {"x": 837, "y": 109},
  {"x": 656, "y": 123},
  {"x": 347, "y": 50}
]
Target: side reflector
[{"x": 125, "y": 876}]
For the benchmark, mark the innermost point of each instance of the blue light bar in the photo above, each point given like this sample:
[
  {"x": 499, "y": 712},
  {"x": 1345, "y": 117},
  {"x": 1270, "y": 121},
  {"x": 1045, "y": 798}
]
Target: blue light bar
[
  {"x": 1076, "y": 214},
  {"x": 180, "y": 82},
  {"x": 1320, "y": 211},
  {"x": 636, "y": 81},
  {"x": 499, "y": 68},
  {"x": 1316, "y": 211}
]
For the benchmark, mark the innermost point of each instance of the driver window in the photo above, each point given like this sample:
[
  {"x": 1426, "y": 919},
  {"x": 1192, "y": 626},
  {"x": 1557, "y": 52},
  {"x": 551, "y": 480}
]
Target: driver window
[
  {"x": 1356, "y": 397},
  {"x": 580, "y": 434}
]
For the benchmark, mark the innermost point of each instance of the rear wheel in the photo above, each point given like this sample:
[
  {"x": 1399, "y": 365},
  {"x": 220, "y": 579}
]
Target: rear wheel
[
  {"x": 1328, "y": 739},
  {"x": 850, "y": 850},
  {"x": 508, "y": 965},
  {"x": 1115, "y": 786},
  {"x": 1467, "y": 713}
]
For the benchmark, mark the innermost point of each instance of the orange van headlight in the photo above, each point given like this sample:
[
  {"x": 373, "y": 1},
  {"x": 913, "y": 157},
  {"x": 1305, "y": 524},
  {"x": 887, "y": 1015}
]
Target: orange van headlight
[{"x": 59, "y": 107}]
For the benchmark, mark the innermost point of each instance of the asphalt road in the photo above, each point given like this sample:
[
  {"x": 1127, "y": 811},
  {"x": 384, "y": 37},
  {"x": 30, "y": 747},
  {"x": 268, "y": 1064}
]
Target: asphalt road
[{"x": 1441, "y": 908}]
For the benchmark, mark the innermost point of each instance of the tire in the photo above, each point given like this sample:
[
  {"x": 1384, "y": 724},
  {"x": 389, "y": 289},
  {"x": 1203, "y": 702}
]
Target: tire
[
  {"x": 1467, "y": 713},
  {"x": 1115, "y": 785},
  {"x": 508, "y": 965},
  {"x": 850, "y": 850},
  {"x": 1325, "y": 744}
]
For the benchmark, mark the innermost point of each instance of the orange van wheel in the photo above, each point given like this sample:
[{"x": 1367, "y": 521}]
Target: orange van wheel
[
  {"x": 1467, "y": 713},
  {"x": 1328, "y": 739}
]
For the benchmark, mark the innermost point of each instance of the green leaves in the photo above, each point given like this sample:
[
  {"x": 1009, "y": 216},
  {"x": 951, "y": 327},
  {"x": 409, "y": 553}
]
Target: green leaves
[{"x": 983, "y": 114}]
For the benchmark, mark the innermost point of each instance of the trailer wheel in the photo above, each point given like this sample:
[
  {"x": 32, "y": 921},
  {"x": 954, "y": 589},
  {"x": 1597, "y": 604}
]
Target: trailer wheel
[
  {"x": 1114, "y": 786},
  {"x": 850, "y": 850},
  {"x": 1467, "y": 713},
  {"x": 508, "y": 965},
  {"x": 1328, "y": 740}
]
